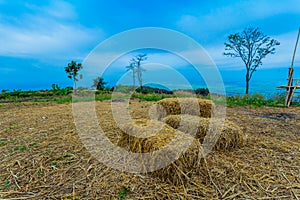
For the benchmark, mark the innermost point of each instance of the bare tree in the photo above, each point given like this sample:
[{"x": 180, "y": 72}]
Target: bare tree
[
  {"x": 251, "y": 46},
  {"x": 137, "y": 62},
  {"x": 133, "y": 69}
]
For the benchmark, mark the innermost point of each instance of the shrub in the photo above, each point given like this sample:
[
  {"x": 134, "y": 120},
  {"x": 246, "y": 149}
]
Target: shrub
[
  {"x": 56, "y": 90},
  {"x": 255, "y": 100},
  {"x": 151, "y": 90},
  {"x": 202, "y": 91}
]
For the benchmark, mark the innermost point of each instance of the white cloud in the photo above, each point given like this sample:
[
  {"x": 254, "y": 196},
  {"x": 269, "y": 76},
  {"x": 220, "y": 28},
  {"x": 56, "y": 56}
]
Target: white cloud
[
  {"x": 284, "y": 51},
  {"x": 281, "y": 58},
  {"x": 232, "y": 16},
  {"x": 56, "y": 9},
  {"x": 55, "y": 39},
  {"x": 96, "y": 62},
  {"x": 212, "y": 27},
  {"x": 263, "y": 9},
  {"x": 49, "y": 32},
  {"x": 61, "y": 9}
]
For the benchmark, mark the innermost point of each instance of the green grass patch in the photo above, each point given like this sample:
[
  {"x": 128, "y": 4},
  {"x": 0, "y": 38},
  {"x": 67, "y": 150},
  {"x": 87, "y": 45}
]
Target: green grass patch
[
  {"x": 40, "y": 172},
  {"x": 59, "y": 100},
  {"x": 54, "y": 165},
  {"x": 150, "y": 97},
  {"x": 4, "y": 142},
  {"x": 12, "y": 127},
  {"x": 103, "y": 97},
  {"x": 257, "y": 100},
  {"x": 20, "y": 148},
  {"x": 68, "y": 99},
  {"x": 124, "y": 192},
  {"x": 63, "y": 100},
  {"x": 34, "y": 145},
  {"x": 7, "y": 184}
]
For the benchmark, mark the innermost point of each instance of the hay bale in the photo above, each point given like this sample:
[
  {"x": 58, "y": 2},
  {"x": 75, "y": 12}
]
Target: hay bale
[
  {"x": 163, "y": 146},
  {"x": 191, "y": 106},
  {"x": 230, "y": 134}
]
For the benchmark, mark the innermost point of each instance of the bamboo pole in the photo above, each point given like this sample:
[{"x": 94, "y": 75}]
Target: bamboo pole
[
  {"x": 289, "y": 90},
  {"x": 295, "y": 49},
  {"x": 291, "y": 69}
]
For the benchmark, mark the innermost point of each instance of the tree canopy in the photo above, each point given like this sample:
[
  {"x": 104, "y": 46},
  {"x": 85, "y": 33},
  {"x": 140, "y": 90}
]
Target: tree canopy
[
  {"x": 99, "y": 83},
  {"x": 251, "y": 45},
  {"x": 72, "y": 70}
]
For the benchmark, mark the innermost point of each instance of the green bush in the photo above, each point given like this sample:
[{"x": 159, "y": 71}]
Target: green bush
[
  {"x": 279, "y": 97},
  {"x": 56, "y": 90},
  {"x": 254, "y": 100},
  {"x": 151, "y": 90},
  {"x": 124, "y": 88},
  {"x": 4, "y": 94}
]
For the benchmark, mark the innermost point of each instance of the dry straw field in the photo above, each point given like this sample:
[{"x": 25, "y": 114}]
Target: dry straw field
[{"x": 42, "y": 157}]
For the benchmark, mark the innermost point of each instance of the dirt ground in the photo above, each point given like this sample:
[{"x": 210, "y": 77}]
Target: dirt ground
[{"x": 42, "y": 157}]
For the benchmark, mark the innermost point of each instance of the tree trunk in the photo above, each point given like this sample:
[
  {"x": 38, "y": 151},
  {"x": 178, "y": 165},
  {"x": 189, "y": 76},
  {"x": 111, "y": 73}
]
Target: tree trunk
[
  {"x": 247, "y": 87},
  {"x": 133, "y": 78},
  {"x": 247, "y": 82},
  {"x": 74, "y": 85},
  {"x": 139, "y": 71}
]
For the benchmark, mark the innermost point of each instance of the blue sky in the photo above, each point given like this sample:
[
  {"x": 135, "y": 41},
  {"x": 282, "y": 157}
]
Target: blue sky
[{"x": 39, "y": 38}]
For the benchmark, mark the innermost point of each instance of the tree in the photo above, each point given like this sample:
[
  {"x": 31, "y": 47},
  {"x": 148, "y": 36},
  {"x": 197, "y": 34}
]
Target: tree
[
  {"x": 136, "y": 63},
  {"x": 99, "y": 83},
  {"x": 251, "y": 46},
  {"x": 72, "y": 70},
  {"x": 133, "y": 69}
]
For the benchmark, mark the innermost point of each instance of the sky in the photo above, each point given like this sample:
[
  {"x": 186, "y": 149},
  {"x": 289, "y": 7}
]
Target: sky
[{"x": 39, "y": 38}]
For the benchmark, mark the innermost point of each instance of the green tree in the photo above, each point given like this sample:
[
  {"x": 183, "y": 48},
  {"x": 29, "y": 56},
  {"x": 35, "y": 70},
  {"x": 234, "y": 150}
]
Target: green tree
[
  {"x": 99, "y": 83},
  {"x": 137, "y": 62},
  {"x": 251, "y": 45},
  {"x": 72, "y": 70}
]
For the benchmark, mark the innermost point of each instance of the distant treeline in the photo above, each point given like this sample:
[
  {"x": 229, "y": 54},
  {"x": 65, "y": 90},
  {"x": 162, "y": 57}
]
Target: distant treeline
[
  {"x": 58, "y": 91},
  {"x": 155, "y": 90},
  {"x": 55, "y": 91},
  {"x": 147, "y": 90}
]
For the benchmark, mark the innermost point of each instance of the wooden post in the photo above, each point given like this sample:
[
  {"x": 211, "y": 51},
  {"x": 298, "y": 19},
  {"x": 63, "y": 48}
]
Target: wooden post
[
  {"x": 290, "y": 89},
  {"x": 295, "y": 49},
  {"x": 290, "y": 76},
  {"x": 291, "y": 94}
]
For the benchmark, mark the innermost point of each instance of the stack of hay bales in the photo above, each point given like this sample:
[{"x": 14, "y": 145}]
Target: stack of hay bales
[
  {"x": 177, "y": 153},
  {"x": 227, "y": 137},
  {"x": 190, "y": 106},
  {"x": 176, "y": 122},
  {"x": 195, "y": 117}
]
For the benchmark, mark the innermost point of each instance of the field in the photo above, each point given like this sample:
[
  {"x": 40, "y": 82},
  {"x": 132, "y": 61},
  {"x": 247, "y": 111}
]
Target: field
[{"x": 42, "y": 157}]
